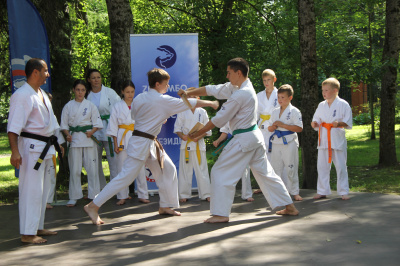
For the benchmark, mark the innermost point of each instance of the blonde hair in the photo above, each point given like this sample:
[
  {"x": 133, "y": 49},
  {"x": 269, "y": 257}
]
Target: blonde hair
[
  {"x": 268, "y": 72},
  {"x": 334, "y": 83},
  {"x": 286, "y": 88}
]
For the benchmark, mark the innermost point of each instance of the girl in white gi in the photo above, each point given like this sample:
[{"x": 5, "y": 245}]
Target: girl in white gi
[
  {"x": 31, "y": 120},
  {"x": 331, "y": 119},
  {"x": 120, "y": 128},
  {"x": 284, "y": 144},
  {"x": 150, "y": 110},
  {"x": 247, "y": 192},
  {"x": 246, "y": 147},
  {"x": 80, "y": 119},
  {"x": 104, "y": 98},
  {"x": 192, "y": 155}
]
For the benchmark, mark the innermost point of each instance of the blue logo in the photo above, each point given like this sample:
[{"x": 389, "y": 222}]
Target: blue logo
[
  {"x": 334, "y": 113},
  {"x": 169, "y": 59}
]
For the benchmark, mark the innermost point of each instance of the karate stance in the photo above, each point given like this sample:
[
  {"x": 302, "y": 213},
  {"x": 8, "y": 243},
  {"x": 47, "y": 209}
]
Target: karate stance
[
  {"x": 246, "y": 147},
  {"x": 120, "y": 129},
  {"x": 284, "y": 144},
  {"x": 31, "y": 128},
  {"x": 331, "y": 119},
  {"x": 192, "y": 155},
  {"x": 104, "y": 98},
  {"x": 150, "y": 110},
  {"x": 80, "y": 119}
]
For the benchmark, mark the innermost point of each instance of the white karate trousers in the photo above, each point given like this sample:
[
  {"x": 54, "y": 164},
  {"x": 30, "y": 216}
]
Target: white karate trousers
[
  {"x": 112, "y": 163},
  {"x": 287, "y": 157},
  {"x": 34, "y": 187},
  {"x": 186, "y": 175},
  {"x": 247, "y": 192},
  {"x": 166, "y": 180},
  {"x": 339, "y": 158},
  {"x": 140, "y": 180},
  {"x": 229, "y": 168},
  {"x": 86, "y": 156}
]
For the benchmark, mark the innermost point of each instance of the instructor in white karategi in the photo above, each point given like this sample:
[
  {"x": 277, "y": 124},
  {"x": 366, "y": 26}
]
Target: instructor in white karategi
[{"x": 31, "y": 128}]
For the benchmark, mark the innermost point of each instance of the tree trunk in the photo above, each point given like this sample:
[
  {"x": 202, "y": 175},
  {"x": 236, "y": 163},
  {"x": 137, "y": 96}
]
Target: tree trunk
[
  {"x": 390, "y": 58},
  {"x": 309, "y": 90},
  {"x": 121, "y": 25},
  {"x": 370, "y": 88}
]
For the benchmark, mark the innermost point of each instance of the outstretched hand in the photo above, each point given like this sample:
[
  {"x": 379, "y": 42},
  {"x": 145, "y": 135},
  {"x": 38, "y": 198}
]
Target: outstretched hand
[
  {"x": 182, "y": 92},
  {"x": 215, "y": 105}
]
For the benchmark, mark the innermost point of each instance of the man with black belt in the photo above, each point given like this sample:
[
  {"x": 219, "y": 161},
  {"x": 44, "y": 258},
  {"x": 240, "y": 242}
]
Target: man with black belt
[{"x": 31, "y": 128}]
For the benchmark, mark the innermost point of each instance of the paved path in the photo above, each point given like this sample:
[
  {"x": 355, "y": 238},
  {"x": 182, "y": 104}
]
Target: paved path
[{"x": 362, "y": 231}]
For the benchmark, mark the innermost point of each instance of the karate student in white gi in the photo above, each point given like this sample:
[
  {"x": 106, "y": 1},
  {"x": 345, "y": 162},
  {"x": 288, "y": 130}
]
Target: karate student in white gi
[
  {"x": 104, "y": 98},
  {"x": 80, "y": 119},
  {"x": 246, "y": 147},
  {"x": 192, "y": 155},
  {"x": 120, "y": 128},
  {"x": 284, "y": 144},
  {"x": 31, "y": 128},
  {"x": 150, "y": 110},
  {"x": 331, "y": 119},
  {"x": 247, "y": 192}
]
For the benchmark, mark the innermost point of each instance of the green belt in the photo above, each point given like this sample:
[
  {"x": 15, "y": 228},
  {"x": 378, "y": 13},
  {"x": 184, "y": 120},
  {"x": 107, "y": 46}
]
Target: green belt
[
  {"x": 82, "y": 129},
  {"x": 110, "y": 145},
  {"x": 235, "y": 132}
]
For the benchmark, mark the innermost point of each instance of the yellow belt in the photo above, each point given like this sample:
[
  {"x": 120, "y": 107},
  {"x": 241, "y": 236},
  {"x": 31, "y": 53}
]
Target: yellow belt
[
  {"x": 127, "y": 128},
  {"x": 264, "y": 118},
  {"x": 197, "y": 151},
  {"x": 55, "y": 163}
]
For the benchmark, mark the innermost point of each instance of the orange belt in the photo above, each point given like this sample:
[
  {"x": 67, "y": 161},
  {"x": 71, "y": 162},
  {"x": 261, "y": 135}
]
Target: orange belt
[
  {"x": 127, "y": 128},
  {"x": 328, "y": 127}
]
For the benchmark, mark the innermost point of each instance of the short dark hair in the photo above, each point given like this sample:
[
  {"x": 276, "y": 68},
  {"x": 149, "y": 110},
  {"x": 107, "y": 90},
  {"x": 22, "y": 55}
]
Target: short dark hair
[
  {"x": 286, "y": 88},
  {"x": 79, "y": 81},
  {"x": 126, "y": 83},
  {"x": 157, "y": 75},
  {"x": 32, "y": 64},
  {"x": 239, "y": 63}
]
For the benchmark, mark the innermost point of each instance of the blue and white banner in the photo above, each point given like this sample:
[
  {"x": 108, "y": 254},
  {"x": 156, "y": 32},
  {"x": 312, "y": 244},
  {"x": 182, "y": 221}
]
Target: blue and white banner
[
  {"x": 28, "y": 39},
  {"x": 178, "y": 54}
]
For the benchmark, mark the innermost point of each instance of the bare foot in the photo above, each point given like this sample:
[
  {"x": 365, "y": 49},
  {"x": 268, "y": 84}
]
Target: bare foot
[
  {"x": 144, "y": 200},
  {"x": 345, "y": 197},
  {"x": 318, "y": 196},
  {"x": 217, "y": 219},
  {"x": 289, "y": 210},
  {"x": 45, "y": 232},
  {"x": 32, "y": 239},
  {"x": 93, "y": 211},
  {"x": 250, "y": 199},
  {"x": 183, "y": 200},
  {"x": 208, "y": 199},
  {"x": 121, "y": 202},
  {"x": 258, "y": 191},
  {"x": 168, "y": 211},
  {"x": 71, "y": 203},
  {"x": 49, "y": 206},
  {"x": 297, "y": 198}
]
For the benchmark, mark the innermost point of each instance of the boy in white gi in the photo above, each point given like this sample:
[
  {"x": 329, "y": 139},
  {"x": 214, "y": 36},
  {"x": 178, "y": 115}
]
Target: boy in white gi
[
  {"x": 150, "y": 110},
  {"x": 246, "y": 147},
  {"x": 80, "y": 119},
  {"x": 120, "y": 128},
  {"x": 331, "y": 119},
  {"x": 31, "y": 128},
  {"x": 104, "y": 98},
  {"x": 283, "y": 143},
  {"x": 192, "y": 155},
  {"x": 247, "y": 192}
]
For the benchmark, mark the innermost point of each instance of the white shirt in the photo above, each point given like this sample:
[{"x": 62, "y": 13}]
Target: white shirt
[
  {"x": 266, "y": 106},
  {"x": 186, "y": 120},
  {"x": 339, "y": 111},
  {"x": 290, "y": 116},
  {"x": 120, "y": 115},
  {"x": 80, "y": 114}
]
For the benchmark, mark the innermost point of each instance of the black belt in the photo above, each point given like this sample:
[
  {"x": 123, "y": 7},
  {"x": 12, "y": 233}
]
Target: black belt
[
  {"x": 52, "y": 140},
  {"x": 159, "y": 147}
]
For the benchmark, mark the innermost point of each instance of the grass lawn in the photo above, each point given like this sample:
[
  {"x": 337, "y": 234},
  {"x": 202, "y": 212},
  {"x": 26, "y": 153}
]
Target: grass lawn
[{"x": 364, "y": 175}]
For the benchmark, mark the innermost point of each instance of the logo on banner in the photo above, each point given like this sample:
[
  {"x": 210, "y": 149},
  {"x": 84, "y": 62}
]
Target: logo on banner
[
  {"x": 169, "y": 59},
  {"x": 18, "y": 71},
  {"x": 148, "y": 175}
]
